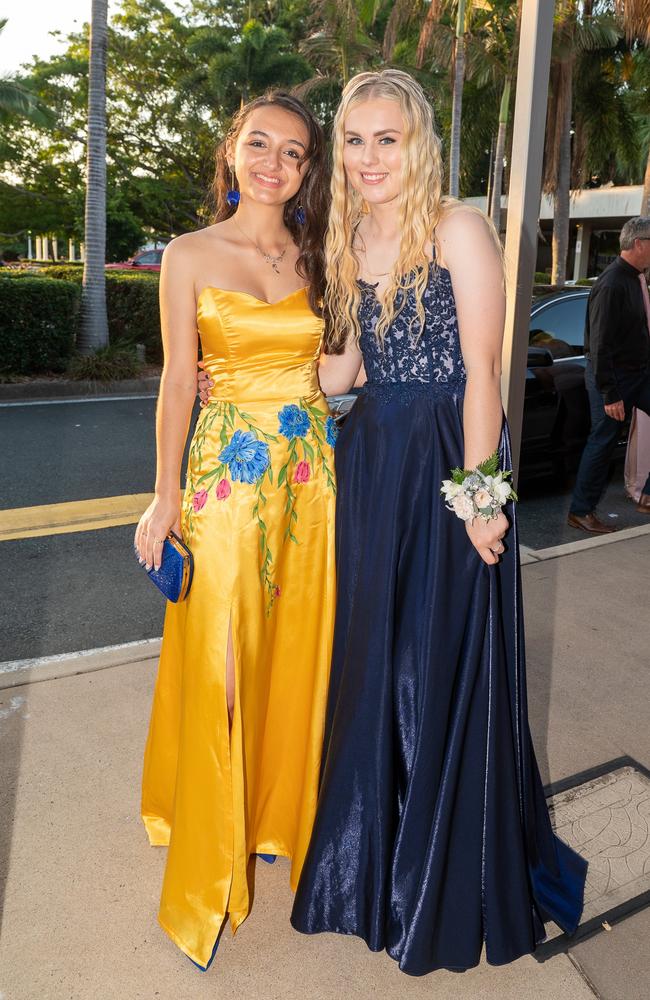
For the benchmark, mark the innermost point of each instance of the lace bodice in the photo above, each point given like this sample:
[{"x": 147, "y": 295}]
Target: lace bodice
[{"x": 432, "y": 357}]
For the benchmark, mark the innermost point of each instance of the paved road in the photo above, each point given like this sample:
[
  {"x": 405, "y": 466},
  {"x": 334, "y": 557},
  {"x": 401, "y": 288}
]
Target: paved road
[{"x": 83, "y": 589}]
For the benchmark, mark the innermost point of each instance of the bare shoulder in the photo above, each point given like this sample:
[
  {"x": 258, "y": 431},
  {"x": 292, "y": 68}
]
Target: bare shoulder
[
  {"x": 189, "y": 259},
  {"x": 465, "y": 236},
  {"x": 460, "y": 223},
  {"x": 189, "y": 246}
]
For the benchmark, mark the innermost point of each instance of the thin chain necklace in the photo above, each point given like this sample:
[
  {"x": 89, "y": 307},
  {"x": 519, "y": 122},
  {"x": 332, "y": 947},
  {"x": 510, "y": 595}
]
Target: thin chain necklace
[
  {"x": 383, "y": 274},
  {"x": 269, "y": 258},
  {"x": 373, "y": 274}
]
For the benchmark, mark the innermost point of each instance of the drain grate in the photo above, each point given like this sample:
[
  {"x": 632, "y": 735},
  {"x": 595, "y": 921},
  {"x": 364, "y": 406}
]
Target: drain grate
[{"x": 604, "y": 815}]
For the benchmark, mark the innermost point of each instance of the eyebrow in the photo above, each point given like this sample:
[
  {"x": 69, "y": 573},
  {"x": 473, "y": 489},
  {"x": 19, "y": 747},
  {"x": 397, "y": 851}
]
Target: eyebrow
[
  {"x": 294, "y": 142},
  {"x": 384, "y": 131}
]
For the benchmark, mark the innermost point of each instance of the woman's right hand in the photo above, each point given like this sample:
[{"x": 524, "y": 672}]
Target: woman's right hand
[
  {"x": 161, "y": 516},
  {"x": 487, "y": 536},
  {"x": 205, "y": 383}
]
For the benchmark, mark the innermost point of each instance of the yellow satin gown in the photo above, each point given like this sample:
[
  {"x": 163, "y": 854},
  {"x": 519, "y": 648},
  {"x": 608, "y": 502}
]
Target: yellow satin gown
[{"x": 258, "y": 516}]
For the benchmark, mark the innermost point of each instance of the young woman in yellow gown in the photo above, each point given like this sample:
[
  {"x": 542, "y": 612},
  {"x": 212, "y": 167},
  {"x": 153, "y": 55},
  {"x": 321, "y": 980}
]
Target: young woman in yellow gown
[{"x": 233, "y": 754}]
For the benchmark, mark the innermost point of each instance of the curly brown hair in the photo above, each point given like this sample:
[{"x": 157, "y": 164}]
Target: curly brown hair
[{"x": 312, "y": 196}]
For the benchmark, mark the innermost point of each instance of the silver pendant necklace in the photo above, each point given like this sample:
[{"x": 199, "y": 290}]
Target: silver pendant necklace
[{"x": 268, "y": 257}]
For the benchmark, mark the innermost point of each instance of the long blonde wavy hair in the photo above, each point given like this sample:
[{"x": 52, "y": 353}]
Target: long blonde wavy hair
[{"x": 420, "y": 207}]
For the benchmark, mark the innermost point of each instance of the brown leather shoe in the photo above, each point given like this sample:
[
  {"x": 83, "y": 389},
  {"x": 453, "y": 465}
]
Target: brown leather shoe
[
  {"x": 589, "y": 522},
  {"x": 643, "y": 505}
]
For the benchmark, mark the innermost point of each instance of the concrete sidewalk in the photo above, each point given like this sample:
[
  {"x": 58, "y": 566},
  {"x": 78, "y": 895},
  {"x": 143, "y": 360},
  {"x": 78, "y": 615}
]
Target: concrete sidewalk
[{"x": 79, "y": 914}]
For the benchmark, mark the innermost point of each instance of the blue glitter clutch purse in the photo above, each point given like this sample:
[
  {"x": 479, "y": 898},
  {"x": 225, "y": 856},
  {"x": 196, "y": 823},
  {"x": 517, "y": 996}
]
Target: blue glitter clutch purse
[{"x": 174, "y": 577}]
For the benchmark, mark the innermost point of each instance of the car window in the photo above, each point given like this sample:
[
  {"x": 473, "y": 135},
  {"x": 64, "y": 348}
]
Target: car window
[
  {"x": 560, "y": 326},
  {"x": 153, "y": 257}
]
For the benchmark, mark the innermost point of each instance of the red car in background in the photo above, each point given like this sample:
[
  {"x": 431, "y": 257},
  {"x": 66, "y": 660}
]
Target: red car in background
[{"x": 146, "y": 260}]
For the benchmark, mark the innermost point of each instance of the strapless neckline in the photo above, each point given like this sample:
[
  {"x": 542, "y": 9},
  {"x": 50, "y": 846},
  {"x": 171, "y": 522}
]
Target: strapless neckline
[{"x": 249, "y": 295}]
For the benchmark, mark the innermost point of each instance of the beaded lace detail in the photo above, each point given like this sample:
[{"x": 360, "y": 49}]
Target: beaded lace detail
[{"x": 430, "y": 358}]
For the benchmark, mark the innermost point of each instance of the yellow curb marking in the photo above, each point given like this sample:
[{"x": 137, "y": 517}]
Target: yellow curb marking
[{"x": 78, "y": 515}]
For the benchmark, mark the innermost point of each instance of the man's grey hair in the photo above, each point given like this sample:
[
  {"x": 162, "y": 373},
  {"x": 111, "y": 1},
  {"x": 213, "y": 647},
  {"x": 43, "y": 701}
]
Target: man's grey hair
[{"x": 633, "y": 230}]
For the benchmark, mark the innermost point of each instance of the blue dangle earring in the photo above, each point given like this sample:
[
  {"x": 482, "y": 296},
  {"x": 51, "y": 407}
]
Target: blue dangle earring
[
  {"x": 300, "y": 215},
  {"x": 233, "y": 195}
]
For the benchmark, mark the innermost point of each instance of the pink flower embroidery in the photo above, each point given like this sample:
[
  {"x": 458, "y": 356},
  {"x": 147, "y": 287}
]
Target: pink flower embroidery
[
  {"x": 276, "y": 591},
  {"x": 302, "y": 473},
  {"x": 199, "y": 500},
  {"x": 223, "y": 489}
]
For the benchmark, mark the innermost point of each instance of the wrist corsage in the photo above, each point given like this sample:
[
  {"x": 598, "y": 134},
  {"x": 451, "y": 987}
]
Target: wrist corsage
[{"x": 479, "y": 492}]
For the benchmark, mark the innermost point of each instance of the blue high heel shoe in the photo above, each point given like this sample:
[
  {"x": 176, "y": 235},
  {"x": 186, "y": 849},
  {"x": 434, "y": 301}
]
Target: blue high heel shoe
[{"x": 270, "y": 859}]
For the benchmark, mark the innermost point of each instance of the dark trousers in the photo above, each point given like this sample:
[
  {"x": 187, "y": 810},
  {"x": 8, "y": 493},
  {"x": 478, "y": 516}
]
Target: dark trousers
[{"x": 605, "y": 432}]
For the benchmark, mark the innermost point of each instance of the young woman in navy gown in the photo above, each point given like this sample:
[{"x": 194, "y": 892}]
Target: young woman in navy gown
[{"x": 432, "y": 836}]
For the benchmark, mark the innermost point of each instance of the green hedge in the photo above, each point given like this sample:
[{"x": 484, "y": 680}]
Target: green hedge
[
  {"x": 131, "y": 304},
  {"x": 133, "y": 311},
  {"x": 38, "y": 324}
]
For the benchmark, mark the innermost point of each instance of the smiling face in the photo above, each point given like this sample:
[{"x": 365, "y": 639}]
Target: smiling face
[
  {"x": 268, "y": 155},
  {"x": 372, "y": 151}
]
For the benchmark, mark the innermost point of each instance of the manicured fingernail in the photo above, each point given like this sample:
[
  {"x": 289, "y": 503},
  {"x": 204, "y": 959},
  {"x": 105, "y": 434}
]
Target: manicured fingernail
[{"x": 147, "y": 567}]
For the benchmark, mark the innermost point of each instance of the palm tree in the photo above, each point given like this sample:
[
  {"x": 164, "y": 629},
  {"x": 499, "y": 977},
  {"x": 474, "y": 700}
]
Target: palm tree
[
  {"x": 505, "y": 36},
  {"x": 492, "y": 52},
  {"x": 463, "y": 10},
  {"x": 635, "y": 15},
  {"x": 339, "y": 44},
  {"x": 94, "y": 324},
  {"x": 576, "y": 31}
]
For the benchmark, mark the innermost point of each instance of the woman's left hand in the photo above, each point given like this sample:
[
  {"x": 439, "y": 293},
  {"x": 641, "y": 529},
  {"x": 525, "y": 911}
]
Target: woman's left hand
[{"x": 486, "y": 536}]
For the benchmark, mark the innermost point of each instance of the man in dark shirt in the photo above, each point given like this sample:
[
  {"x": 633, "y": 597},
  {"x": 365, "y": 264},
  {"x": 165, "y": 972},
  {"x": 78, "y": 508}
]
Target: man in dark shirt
[{"x": 617, "y": 372}]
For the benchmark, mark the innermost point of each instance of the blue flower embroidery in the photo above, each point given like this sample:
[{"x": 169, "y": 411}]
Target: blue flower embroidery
[
  {"x": 247, "y": 457},
  {"x": 294, "y": 421},
  {"x": 331, "y": 431}
]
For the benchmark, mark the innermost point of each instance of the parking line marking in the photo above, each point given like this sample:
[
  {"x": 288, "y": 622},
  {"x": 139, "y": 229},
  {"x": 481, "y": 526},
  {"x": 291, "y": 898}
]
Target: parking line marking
[{"x": 77, "y": 515}]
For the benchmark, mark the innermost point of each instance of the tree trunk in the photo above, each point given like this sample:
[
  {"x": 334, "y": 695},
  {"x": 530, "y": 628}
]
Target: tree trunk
[
  {"x": 457, "y": 101},
  {"x": 562, "y": 198},
  {"x": 426, "y": 32},
  {"x": 497, "y": 176},
  {"x": 645, "y": 200},
  {"x": 94, "y": 324}
]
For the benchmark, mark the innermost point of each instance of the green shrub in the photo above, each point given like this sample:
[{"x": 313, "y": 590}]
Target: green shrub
[
  {"x": 17, "y": 272},
  {"x": 68, "y": 272},
  {"x": 542, "y": 278},
  {"x": 38, "y": 324},
  {"x": 107, "y": 365},
  {"x": 131, "y": 304},
  {"x": 133, "y": 311}
]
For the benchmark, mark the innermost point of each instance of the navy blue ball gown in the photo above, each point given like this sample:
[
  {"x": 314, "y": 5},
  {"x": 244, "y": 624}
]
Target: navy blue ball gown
[{"x": 432, "y": 836}]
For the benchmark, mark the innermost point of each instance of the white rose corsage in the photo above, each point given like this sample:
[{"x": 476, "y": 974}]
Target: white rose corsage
[{"x": 479, "y": 492}]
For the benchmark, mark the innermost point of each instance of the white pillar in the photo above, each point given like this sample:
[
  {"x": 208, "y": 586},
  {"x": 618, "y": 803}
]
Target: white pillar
[
  {"x": 29, "y": 246},
  {"x": 55, "y": 248},
  {"x": 71, "y": 255},
  {"x": 39, "y": 248},
  {"x": 535, "y": 38},
  {"x": 581, "y": 259},
  {"x": 82, "y": 252},
  {"x": 46, "y": 247}
]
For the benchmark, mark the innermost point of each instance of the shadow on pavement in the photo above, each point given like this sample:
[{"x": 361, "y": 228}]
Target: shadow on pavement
[{"x": 14, "y": 712}]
